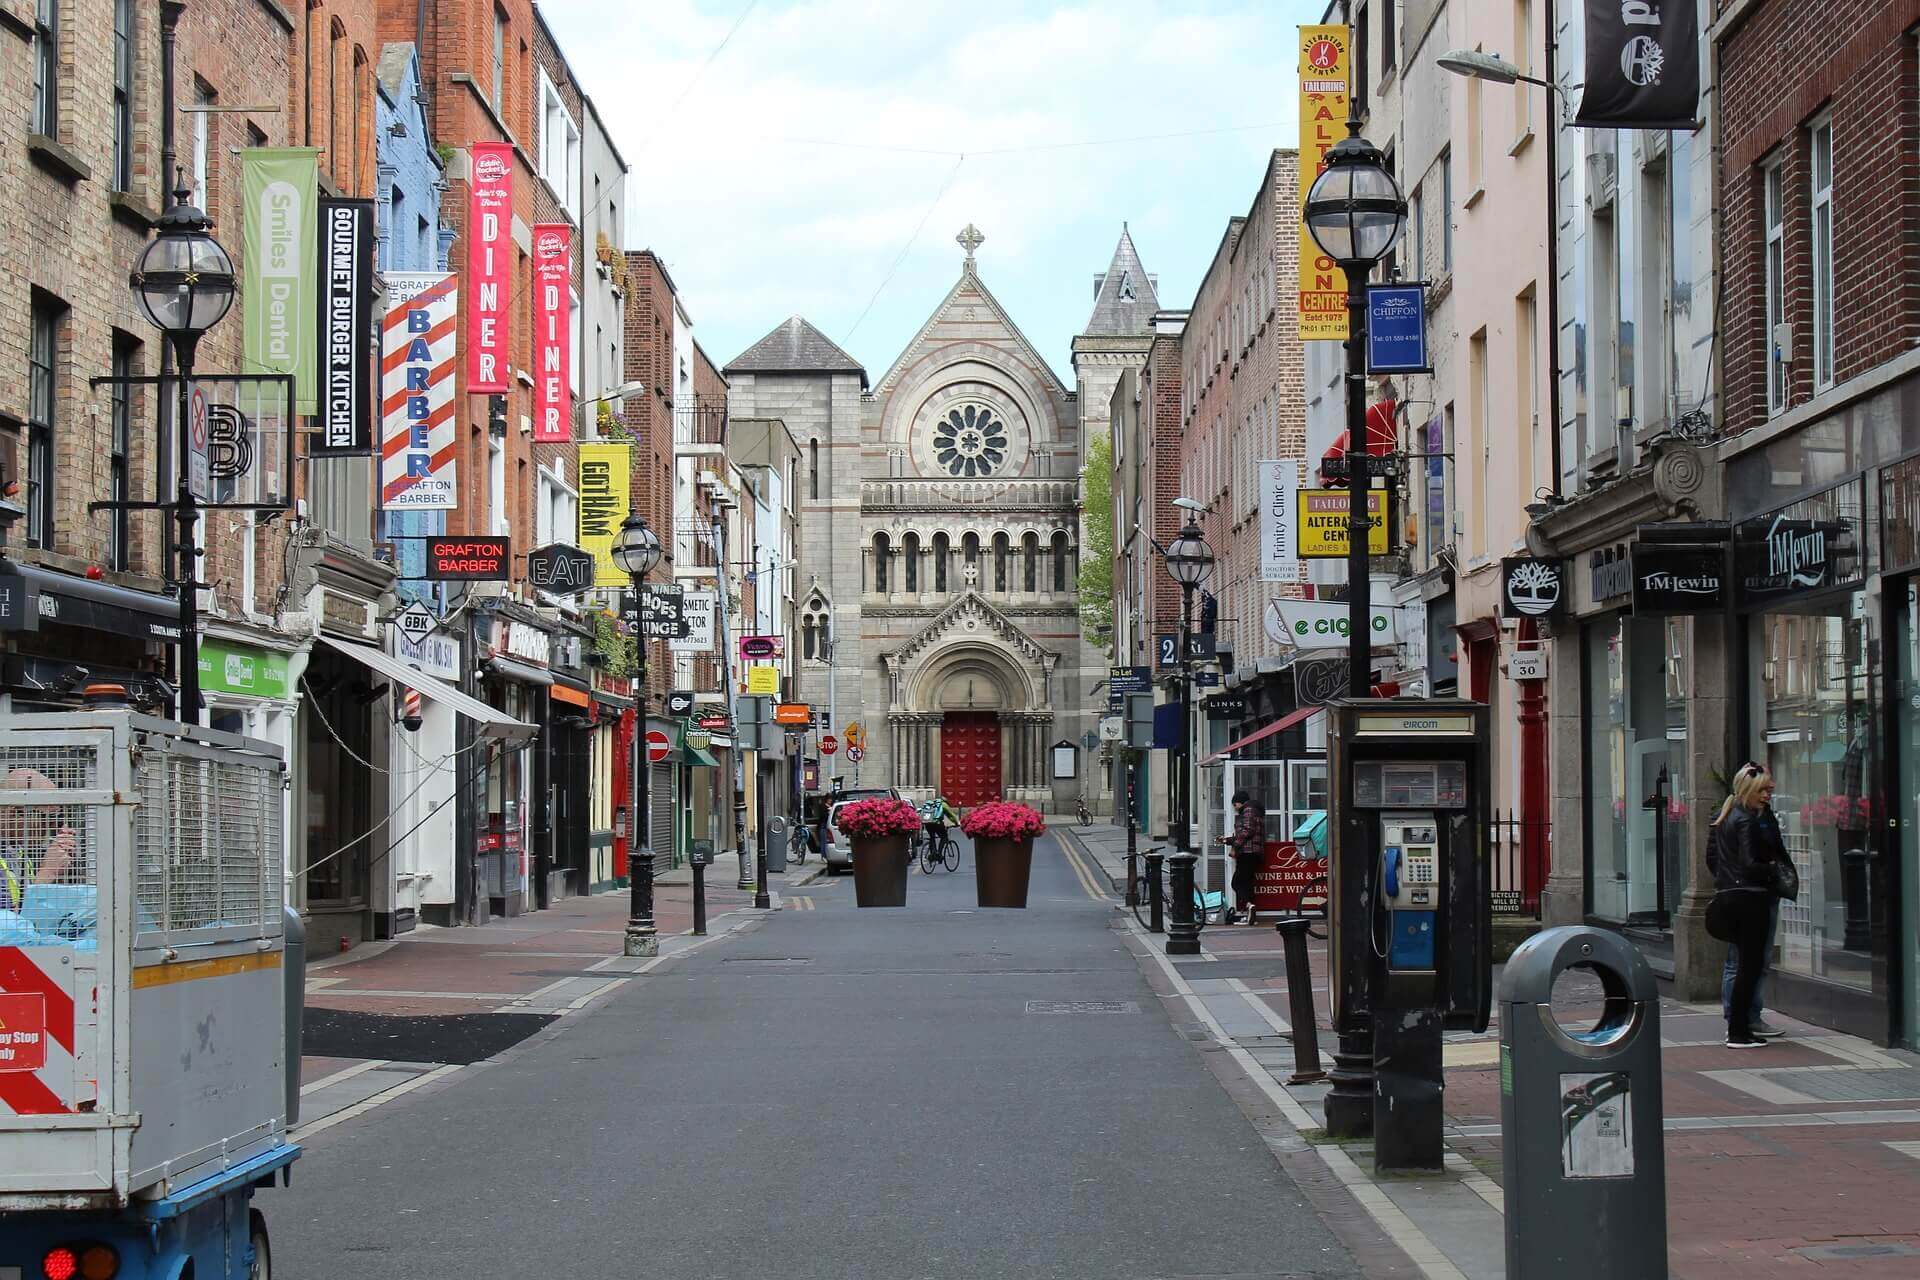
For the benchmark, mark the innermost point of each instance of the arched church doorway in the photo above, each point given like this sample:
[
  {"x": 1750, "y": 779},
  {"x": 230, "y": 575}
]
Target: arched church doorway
[{"x": 970, "y": 757}]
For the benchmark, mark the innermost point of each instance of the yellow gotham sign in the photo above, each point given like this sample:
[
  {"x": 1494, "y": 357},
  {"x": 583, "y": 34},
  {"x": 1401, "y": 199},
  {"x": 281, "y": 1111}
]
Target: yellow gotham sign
[
  {"x": 1323, "y": 122},
  {"x": 1323, "y": 523}
]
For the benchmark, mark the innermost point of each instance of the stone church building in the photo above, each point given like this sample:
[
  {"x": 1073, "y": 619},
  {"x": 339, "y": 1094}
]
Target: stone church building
[{"x": 940, "y": 527}]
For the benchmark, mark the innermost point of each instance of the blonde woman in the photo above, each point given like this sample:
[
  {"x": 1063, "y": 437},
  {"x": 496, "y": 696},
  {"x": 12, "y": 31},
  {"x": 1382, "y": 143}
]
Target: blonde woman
[{"x": 1746, "y": 842}]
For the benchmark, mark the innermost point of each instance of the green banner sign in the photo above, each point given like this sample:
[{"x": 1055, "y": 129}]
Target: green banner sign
[
  {"x": 280, "y": 255},
  {"x": 239, "y": 668}
]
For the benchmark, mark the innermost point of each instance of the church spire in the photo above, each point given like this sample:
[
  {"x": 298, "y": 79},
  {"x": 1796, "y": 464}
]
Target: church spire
[{"x": 1124, "y": 297}]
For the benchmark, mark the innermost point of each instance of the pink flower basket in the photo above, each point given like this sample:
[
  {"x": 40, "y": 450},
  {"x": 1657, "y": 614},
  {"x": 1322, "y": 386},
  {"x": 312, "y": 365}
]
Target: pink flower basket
[
  {"x": 877, "y": 818},
  {"x": 1003, "y": 820}
]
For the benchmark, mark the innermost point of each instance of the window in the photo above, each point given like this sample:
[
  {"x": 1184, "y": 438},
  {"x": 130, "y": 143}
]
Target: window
[
  {"x": 1417, "y": 235},
  {"x": 123, "y": 33},
  {"x": 880, "y": 562},
  {"x": 1446, "y": 211},
  {"x": 45, "y": 116},
  {"x": 1822, "y": 229},
  {"x": 126, "y": 363},
  {"x": 360, "y": 95},
  {"x": 1031, "y": 545},
  {"x": 1526, "y": 378},
  {"x": 1523, "y": 93},
  {"x": 500, "y": 61},
  {"x": 1060, "y": 562},
  {"x": 942, "y": 552},
  {"x": 1680, "y": 258},
  {"x": 1386, "y": 37},
  {"x": 555, "y": 519},
  {"x": 1773, "y": 215},
  {"x": 813, "y": 469},
  {"x": 1481, "y": 444},
  {"x": 910, "y": 549},
  {"x": 497, "y": 483},
  {"x": 1476, "y": 140},
  {"x": 335, "y": 160},
  {"x": 1002, "y": 551},
  {"x": 970, "y": 548},
  {"x": 559, "y": 146},
  {"x": 1628, "y": 215},
  {"x": 42, "y": 354},
  {"x": 1360, "y": 61},
  {"x": 202, "y": 143}
]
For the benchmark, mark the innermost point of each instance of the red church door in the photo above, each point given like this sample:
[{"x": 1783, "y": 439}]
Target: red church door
[{"x": 970, "y": 757}]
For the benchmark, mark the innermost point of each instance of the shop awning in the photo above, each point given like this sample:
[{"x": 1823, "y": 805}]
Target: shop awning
[
  {"x": 487, "y": 722},
  {"x": 1285, "y": 722},
  {"x": 50, "y": 596},
  {"x": 699, "y": 757},
  {"x": 508, "y": 669}
]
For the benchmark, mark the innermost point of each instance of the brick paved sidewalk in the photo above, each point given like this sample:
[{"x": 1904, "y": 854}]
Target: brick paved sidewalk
[{"x": 1798, "y": 1160}]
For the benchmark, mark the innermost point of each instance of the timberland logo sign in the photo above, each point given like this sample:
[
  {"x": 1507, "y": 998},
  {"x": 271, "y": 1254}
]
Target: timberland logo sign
[{"x": 1533, "y": 588}]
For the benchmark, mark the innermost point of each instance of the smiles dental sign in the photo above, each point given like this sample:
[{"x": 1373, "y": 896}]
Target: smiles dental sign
[{"x": 280, "y": 257}]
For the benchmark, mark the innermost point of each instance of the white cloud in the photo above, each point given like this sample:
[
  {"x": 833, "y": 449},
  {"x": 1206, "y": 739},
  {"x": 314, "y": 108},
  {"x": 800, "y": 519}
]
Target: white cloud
[{"x": 757, "y": 224}]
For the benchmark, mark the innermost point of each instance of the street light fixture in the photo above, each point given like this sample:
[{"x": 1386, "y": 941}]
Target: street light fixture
[
  {"x": 1356, "y": 214},
  {"x": 636, "y": 550},
  {"x": 184, "y": 283},
  {"x": 1189, "y": 562}
]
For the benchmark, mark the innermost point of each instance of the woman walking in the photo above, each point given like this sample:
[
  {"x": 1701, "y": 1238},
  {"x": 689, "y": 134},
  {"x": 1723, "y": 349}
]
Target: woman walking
[
  {"x": 1249, "y": 842},
  {"x": 1744, "y": 847}
]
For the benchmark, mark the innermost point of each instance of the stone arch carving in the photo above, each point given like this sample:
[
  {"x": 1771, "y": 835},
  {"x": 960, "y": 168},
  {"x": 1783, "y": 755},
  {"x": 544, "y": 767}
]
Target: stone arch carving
[{"x": 1003, "y": 681}]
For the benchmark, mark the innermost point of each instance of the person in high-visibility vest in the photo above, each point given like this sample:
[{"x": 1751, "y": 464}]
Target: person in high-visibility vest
[{"x": 20, "y": 865}]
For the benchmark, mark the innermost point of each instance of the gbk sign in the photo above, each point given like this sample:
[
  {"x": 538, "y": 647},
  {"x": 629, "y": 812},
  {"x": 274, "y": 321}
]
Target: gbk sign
[{"x": 560, "y": 569}]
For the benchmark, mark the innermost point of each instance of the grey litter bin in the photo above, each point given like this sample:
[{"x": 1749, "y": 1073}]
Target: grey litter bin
[
  {"x": 1581, "y": 1115},
  {"x": 776, "y": 845}
]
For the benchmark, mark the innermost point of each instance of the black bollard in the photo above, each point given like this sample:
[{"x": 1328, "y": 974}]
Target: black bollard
[
  {"x": 1183, "y": 933},
  {"x": 1300, "y": 1009},
  {"x": 699, "y": 898},
  {"x": 1156, "y": 902}
]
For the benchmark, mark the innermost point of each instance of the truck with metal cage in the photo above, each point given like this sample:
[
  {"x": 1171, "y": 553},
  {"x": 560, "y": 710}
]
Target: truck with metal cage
[{"x": 146, "y": 1047}]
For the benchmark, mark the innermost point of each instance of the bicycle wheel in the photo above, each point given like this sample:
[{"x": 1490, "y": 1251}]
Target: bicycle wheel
[
  {"x": 927, "y": 857},
  {"x": 950, "y": 853}
]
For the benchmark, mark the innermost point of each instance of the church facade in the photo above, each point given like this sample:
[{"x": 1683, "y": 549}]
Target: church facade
[{"x": 940, "y": 528}]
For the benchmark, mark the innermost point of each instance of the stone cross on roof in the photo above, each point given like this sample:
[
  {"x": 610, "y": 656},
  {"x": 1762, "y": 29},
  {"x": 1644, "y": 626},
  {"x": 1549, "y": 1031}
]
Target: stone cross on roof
[{"x": 970, "y": 238}]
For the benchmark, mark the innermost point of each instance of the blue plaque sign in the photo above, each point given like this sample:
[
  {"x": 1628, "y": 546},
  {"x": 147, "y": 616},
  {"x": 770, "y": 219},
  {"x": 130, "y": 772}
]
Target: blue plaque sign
[{"x": 1397, "y": 329}]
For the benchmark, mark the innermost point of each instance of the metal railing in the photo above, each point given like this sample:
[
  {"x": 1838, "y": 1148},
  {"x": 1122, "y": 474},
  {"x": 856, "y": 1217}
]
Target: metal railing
[
  {"x": 700, "y": 423},
  {"x": 1518, "y": 854},
  {"x": 986, "y": 495}
]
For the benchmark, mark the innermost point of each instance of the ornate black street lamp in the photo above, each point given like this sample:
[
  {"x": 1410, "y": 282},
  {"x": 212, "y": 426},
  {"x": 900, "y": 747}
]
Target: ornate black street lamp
[
  {"x": 1189, "y": 562},
  {"x": 184, "y": 283},
  {"x": 636, "y": 550}
]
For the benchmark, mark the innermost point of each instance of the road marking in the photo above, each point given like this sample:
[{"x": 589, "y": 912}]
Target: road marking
[
  {"x": 361, "y": 1108},
  {"x": 339, "y": 1076},
  {"x": 1387, "y": 1215},
  {"x": 1906, "y": 1148},
  {"x": 1087, "y": 882},
  {"x": 801, "y": 903}
]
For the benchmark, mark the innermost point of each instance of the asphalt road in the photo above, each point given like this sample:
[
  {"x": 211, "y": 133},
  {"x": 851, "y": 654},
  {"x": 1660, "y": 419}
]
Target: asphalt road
[{"x": 837, "y": 1093}]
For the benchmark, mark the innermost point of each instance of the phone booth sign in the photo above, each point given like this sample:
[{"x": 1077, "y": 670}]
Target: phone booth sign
[{"x": 1289, "y": 882}]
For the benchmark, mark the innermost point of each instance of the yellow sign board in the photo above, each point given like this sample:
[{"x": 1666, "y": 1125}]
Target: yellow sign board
[
  {"x": 1323, "y": 122},
  {"x": 606, "y": 471},
  {"x": 1323, "y": 524},
  {"x": 763, "y": 680}
]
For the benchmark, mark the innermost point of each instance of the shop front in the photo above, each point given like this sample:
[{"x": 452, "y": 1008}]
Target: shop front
[
  {"x": 253, "y": 689},
  {"x": 426, "y": 765},
  {"x": 342, "y": 877},
  {"x": 513, "y": 679},
  {"x": 569, "y": 752},
  {"x": 608, "y": 799}
]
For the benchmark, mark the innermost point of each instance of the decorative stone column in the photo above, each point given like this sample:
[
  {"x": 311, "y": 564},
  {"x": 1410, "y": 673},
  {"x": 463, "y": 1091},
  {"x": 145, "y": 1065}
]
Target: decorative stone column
[
  {"x": 1697, "y": 958},
  {"x": 1564, "y": 899}
]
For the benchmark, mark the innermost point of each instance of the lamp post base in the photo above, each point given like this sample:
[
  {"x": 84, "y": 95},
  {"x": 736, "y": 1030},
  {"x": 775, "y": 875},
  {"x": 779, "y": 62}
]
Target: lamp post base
[
  {"x": 1348, "y": 1108},
  {"x": 642, "y": 941}
]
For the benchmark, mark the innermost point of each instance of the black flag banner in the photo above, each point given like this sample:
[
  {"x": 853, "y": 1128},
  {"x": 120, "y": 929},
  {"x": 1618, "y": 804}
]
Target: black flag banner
[{"x": 1643, "y": 65}]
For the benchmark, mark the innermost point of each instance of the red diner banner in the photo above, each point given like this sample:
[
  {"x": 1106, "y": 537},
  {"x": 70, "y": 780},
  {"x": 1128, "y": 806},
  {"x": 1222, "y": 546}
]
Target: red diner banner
[
  {"x": 552, "y": 333},
  {"x": 489, "y": 253}
]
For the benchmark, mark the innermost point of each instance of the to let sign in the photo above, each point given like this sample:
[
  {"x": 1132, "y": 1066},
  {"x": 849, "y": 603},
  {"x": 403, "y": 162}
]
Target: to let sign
[{"x": 470, "y": 559}]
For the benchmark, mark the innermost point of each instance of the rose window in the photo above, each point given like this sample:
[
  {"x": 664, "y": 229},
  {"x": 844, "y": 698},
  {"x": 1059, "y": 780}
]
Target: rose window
[{"x": 970, "y": 441}]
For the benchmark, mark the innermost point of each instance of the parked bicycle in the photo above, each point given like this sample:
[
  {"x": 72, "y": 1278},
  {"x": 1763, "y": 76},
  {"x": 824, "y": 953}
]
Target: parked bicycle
[
  {"x": 799, "y": 843},
  {"x": 1081, "y": 806},
  {"x": 1208, "y": 908}
]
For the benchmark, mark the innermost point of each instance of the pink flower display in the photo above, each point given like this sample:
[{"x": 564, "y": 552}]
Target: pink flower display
[
  {"x": 1003, "y": 820},
  {"x": 878, "y": 818}
]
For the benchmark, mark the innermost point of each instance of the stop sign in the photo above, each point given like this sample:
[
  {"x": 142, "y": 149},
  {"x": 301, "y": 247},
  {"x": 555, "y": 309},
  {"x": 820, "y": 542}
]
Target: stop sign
[
  {"x": 828, "y": 744},
  {"x": 658, "y": 746}
]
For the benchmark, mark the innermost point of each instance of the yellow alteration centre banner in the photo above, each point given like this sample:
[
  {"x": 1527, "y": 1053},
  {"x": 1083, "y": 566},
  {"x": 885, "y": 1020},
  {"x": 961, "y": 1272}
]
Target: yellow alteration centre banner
[
  {"x": 1323, "y": 524},
  {"x": 1323, "y": 122}
]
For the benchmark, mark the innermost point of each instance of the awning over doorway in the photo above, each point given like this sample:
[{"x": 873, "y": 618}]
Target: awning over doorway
[
  {"x": 1284, "y": 723},
  {"x": 487, "y": 722}
]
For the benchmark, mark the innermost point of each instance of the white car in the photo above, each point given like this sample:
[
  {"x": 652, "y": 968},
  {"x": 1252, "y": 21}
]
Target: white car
[{"x": 837, "y": 852}]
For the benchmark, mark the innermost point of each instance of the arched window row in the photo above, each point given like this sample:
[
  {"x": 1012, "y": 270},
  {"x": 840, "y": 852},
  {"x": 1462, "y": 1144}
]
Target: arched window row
[{"x": 1027, "y": 562}]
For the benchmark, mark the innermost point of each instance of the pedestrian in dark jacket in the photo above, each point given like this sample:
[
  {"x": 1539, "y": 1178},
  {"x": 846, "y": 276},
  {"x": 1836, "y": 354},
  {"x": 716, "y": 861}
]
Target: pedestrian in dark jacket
[
  {"x": 1249, "y": 847},
  {"x": 1744, "y": 845}
]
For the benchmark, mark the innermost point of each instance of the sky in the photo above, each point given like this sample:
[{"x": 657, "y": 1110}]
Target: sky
[{"x": 817, "y": 157}]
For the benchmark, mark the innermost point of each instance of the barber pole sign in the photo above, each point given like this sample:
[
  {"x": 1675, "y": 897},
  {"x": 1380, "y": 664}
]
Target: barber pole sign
[
  {"x": 416, "y": 393},
  {"x": 489, "y": 253},
  {"x": 36, "y": 1032},
  {"x": 552, "y": 332}
]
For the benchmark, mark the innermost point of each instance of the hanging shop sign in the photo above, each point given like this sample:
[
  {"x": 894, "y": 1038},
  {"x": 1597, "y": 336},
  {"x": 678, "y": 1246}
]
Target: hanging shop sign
[
  {"x": 560, "y": 569},
  {"x": 1226, "y": 706},
  {"x": 279, "y": 200},
  {"x": 1780, "y": 556},
  {"x": 1673, "y": 580},
  {"x": 1610, "y": 573},
  {"x": 417, "y": 427},
  {"x": 697, "y": 609},
  {"x": 346, "y": 331},
  {"x": 243, "y": 669},
  {"x": 1531, "y": 588},
  {"x": 606, "y": 476},
  {"x": 415, "y": 622},
  {"x": 763, "y": 680},
  {"x": 1323, "y": 524},
  {"x": 1318, "y": 681},
  {"x": 1124, "y": 680},
  {"x": 489, "y": 257},
  {"x": 1643, "y": 65},
  {"x": 1397, "y": 329},
  {"x": 795, "y": 714},
  {"x": 660, "y": 612},
  {"x": 552, "y": 333},
  {"x": 436, "y": 654},
  {"x": 1320, "y": 624},
  {"x": 1323, "y": 122},
  {"x": 680, "y": 703},
  {"x": 470, "y": 559},
  {"x": 761, "y": 648},
  {"x": 1279, "y": 554}
]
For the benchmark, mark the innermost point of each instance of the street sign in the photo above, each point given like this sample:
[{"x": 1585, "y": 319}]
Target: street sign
[
  {"x": 855, "y": 752},
  {"x": 199, "y": 452},
  {"x": 763, "y": 679},
  {"x": 680, "y": 703},
  {"x": 761, "y": 648},
  {"x": 469, "y": 559},
  {"x": 1089, "y": 740},
  {"x": 1527, "y": 664},
  {"x": 855, "y": 735},
  {"x": 659, "y": 746},
  {"x": 1168, "y": 650},
  {"x": 797, "y": 714},
  {"x": 660, "y": 614},
  {"x": 1112, "y": 729},
  {"x": 416, "y": 622},
  {"x": 828, "y": 744},
  {"x": 561, "y": 569}
]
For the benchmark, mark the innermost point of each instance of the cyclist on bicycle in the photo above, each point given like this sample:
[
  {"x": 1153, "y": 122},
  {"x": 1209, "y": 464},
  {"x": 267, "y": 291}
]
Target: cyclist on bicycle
[{"x": 935, "y": 816}]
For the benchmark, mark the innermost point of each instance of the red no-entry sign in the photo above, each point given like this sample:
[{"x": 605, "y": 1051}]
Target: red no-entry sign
[{"x": 658, "y": 746}]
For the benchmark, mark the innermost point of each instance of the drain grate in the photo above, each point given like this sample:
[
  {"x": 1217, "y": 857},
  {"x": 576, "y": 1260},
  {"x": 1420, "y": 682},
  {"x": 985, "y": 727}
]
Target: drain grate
[
  {"x": 1081, "y": 1006},
  {"x": 1843, "y": 1252},
  {"x": 769, "y": 962}
]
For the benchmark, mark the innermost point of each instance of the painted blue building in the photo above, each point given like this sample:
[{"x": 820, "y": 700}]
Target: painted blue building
[{"x": 411, "y": 237}]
